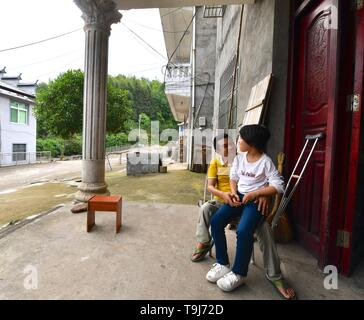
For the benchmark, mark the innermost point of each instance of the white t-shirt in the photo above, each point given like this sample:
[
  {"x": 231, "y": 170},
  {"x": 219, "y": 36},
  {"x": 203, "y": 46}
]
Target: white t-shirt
[{"x": 254, "y": 176}]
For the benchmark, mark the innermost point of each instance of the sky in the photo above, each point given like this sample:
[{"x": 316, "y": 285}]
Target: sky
[{"x": 24, "y": 21}]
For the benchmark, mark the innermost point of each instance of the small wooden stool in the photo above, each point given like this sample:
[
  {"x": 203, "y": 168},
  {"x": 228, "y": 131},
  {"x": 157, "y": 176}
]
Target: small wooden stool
[{"x": 103, "y": 203}]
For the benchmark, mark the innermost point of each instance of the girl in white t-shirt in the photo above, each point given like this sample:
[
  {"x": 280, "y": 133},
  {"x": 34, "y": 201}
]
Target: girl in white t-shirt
[{"x": 252, "y": 175}]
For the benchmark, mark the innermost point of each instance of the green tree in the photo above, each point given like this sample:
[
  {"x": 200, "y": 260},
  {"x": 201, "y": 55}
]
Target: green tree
[
  {"x": 118, "y": 109},
  {"x": 59, "y": 106},
  {"x": 147, "y": 97}
]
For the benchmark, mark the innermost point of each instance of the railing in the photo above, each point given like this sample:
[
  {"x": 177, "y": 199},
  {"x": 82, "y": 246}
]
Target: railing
[
  {"x": 117, "y": 149},
  {"x": 18, "y": 158},
  {"x": 178, "y": 79}
]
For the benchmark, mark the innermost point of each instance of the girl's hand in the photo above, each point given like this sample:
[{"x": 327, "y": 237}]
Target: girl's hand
[
  {"x": 236, "y": 200},
  {"x": 250, "y": 196}
]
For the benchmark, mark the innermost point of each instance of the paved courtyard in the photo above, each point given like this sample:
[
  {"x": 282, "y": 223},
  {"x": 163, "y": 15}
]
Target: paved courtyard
[{"x": 148, "y": 259}]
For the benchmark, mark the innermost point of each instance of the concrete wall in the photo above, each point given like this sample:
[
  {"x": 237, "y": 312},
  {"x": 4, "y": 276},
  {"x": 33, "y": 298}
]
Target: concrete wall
[
  {"x": 275, "y": 119},
  {"x": 204, "y": 89},
  {"x": 256, "y": 49},
  {"x": 11, "y": 133},
  {"x": 263, "y": 50},
  {"x": 226, "y": 48},
  {"x": 205, "y": 67}
]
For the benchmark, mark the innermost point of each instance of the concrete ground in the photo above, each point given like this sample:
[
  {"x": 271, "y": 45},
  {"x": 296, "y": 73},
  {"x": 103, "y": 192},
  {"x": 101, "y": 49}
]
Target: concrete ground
[
  {"x": 16, "y": 177},
  {"x": 148, "y": 259}
]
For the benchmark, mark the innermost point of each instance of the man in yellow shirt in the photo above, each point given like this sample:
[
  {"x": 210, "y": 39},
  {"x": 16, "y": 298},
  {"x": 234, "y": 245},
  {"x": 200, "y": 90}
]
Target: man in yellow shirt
[{"x": 219, "y": 186}]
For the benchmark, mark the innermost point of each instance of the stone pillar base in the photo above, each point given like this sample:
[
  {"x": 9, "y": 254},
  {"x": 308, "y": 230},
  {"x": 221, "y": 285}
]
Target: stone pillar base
[{"x": 87, "y": 190}]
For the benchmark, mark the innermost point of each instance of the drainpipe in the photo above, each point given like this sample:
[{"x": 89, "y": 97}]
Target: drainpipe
[{"x": 192, "y": 113}]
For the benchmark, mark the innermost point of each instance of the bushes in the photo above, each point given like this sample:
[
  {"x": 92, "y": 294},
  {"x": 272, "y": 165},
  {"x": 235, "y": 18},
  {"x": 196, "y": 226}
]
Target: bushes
[
  {"x": 54, "y": 145},
  {"x": 74, "y": 146},
  {"x": 57, "y": 145},
  {"x": 117, "y": 139}
]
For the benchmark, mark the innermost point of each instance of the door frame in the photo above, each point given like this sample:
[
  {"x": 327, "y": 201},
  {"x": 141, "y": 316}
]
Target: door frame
[
  {"x": 331, "y": 123},
  {"x": 346, "y": 263}
]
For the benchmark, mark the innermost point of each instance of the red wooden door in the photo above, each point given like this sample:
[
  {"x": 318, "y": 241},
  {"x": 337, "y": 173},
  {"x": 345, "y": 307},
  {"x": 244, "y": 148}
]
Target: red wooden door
[
  {"x": 314, "y": 106},
  {"x": 351, "y": 254}
]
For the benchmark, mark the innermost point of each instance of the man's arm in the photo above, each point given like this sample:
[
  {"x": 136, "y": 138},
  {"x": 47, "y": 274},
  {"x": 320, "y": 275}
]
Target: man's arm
[{"x": 263, "y": 204}]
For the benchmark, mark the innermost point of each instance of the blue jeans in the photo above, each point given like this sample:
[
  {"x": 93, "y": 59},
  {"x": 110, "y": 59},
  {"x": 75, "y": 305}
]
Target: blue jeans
[{"x": 250, "y": 218}]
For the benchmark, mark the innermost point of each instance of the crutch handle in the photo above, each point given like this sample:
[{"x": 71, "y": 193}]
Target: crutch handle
[{"x": 316, "y": 136}]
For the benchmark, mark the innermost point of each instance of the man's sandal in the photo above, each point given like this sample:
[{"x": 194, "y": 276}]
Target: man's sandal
[
  {"x": 282, "y": 284},
  {"x": 200, "y": 253}
]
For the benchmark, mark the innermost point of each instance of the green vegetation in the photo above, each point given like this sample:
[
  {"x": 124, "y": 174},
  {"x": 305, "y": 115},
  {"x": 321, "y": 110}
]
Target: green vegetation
[{"x": 59, "y": 111}]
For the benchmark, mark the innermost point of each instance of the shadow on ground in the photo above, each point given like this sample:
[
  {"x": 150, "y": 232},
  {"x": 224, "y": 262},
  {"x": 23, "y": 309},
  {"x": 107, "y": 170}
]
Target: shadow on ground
[{"x": 148, "y": 259}]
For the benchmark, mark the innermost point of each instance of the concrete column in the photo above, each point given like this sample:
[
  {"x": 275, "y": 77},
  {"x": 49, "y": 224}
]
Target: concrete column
[{"x": 98, "y": 16}]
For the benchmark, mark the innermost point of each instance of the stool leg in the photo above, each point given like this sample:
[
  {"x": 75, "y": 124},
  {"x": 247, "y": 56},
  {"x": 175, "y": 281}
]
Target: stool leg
[
  {"x": 90, "y": 220},
  {"x": 118, "y": 218},
  {"x": 118, "y": 221}
]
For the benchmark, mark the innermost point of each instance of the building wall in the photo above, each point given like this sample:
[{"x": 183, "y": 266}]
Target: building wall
[
  {"x": 205, "y": 67},
  {"x": 278, "y": 99},
  {"x": 11, "y": 133},
  {"x": 226, "y": 48},
  {"x": 256, "y": 50},
  {"x": 204, "y": 80},
  {"x": 263, "y": 50}
]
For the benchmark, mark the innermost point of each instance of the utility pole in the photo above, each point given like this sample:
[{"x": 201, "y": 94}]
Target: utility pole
[{"x": 140, "y": 119}]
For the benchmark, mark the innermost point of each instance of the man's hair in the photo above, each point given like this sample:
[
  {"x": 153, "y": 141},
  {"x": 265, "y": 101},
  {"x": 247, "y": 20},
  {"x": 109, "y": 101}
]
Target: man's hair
[
  {"x": 220, "y": 137},
  {"x": 255, "y": 135}
]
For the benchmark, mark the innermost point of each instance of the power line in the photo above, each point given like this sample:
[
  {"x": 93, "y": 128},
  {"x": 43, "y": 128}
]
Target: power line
[
  {"x": 55, "y": 70},
  {"x": 139, "y": 71},
  {"x": 179, "y": 43},
  {"x": 139, "y": 37},
  {"x": 40, "y": 41},
  {"x": 170, "y": 12},
  {"x": 151, "y": 28},
  {"x": 46, "y": 60}
]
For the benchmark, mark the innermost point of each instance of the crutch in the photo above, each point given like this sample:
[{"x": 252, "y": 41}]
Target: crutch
[{"x": 287, "y": 195}]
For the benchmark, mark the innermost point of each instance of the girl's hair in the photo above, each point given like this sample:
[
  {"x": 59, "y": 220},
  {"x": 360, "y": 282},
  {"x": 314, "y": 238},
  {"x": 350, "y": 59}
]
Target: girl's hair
[{"x": 255, "y": 135}]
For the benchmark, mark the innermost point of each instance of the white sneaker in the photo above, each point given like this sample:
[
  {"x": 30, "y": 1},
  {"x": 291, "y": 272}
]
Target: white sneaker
[
  {"x": 216, "y": 272},
  {"x": 230, "y": 281}
]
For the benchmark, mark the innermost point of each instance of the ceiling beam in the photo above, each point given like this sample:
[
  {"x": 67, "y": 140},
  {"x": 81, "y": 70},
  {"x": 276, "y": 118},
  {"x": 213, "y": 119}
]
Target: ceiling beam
[{"x": 143, "y": 4}]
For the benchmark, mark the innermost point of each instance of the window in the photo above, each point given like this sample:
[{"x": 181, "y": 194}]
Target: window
[
  {"x": 19, "y": 152},
  {"x": 18, "y": 112},
  {"x": 226, "y": 94},
  {"x": 216, "y": 11}
]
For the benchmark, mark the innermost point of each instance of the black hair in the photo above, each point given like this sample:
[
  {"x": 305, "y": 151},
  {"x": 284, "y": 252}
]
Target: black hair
[
  {"x": 220, "y": 137},
  {"x": 255, "y": 135}
]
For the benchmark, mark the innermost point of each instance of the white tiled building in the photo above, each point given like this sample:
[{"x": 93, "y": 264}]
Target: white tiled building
[{"x": 17, "y": 122}]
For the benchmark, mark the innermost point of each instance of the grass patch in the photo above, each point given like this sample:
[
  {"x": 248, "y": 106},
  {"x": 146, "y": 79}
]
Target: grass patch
[
  {"x": 180, "y": 186},
  {"x": 31, "y": 200}
]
